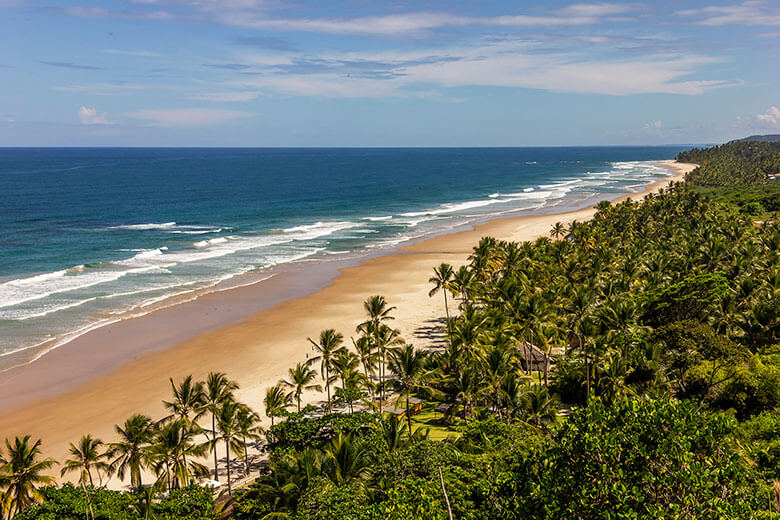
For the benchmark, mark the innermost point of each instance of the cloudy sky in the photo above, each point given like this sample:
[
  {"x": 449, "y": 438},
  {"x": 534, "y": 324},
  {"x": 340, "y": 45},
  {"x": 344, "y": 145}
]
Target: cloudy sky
[{"x": 386, "y": 73}]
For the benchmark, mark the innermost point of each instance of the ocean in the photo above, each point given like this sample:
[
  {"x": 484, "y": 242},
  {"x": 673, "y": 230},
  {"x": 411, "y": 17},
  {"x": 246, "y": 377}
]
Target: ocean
[{"x": 91, "y": 236}]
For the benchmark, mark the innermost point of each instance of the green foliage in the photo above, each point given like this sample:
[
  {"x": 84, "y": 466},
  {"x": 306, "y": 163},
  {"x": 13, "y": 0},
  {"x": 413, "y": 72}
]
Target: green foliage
[
  {"x": 298, "y": 431},
  {"x": 642, "y": 459},
  {"x": 735, "y": 163},
  {"x": 689, "y": 299},
  {"x": 756, "y": 201},
  {"x": 68, "y": 501}
]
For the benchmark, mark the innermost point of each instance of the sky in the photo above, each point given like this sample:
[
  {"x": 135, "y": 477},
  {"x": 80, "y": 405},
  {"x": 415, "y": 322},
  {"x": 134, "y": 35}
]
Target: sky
[{"x": 386, "y": 73}]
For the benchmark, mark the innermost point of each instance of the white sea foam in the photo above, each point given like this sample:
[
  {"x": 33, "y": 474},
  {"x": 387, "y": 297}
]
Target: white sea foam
[
  {"x": 378, "y": 219},
  {"x": 146, "y": 227},
  {"x": 41, "y": 286}
]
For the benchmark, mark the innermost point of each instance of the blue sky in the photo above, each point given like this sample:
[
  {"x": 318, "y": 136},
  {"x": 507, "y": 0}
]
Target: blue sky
[{"x": 394, "y": 73}]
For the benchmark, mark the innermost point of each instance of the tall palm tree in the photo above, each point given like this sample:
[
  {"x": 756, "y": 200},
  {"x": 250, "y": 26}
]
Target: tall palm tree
[
  {"x": 230, "y": 433},
  {"x": 301, "y": 378},
  {"x": 408, "y": 366},
  {"x": 217, "y": 391},
  {"x": 386, "y": 339},
  {"x": 367, "y": 356},
  {"x": 249, "y": 429},
  {"x": 130, "y": 452},
  {"x": 21, "y": 474},
  {"x": 276, "y": 400},
  {"x": 442, "y": 280},
  {"x": 187, "y": 400},
  {"x": 329, "y": 344},
  {"x": 85, "y": 457},
  {"x": 378, "y": 312},
  {"x": 174, "y": 442}
]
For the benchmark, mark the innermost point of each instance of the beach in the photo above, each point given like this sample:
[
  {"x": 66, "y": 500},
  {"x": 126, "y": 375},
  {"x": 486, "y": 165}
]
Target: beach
[{"x": 104, "y": 376}]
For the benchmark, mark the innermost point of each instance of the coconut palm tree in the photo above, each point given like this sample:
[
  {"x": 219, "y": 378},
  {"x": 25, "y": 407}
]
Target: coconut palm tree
[
  {"x": 410, "y": 374},
  {"x": 187, "y": 400},
  {"x": 249, "y": 429},
  {"x": 86, "y": 457},
  {"x": 217, "y": 391},
  {"x": 301, "y": 378},
  {"x": 230, "y": 433},
  {"x": 391, "y": 428},
  {"x": 367, "y": 356},
  {"x": 173, "y": 451},
  {"x": 276, "y": 401},
  {"x": 442, "y": 280},
  {"x": 21, "y": 474},
  {"x": 378, "y": 312},
  {"x": 386, "y": 339},
  {"x": 329, "y": 344},
  {"x": 130, "y": 452},
  {"x": 348, "y": 462}
]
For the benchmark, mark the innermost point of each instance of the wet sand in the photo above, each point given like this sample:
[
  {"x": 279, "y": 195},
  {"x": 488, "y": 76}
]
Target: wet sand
[{"x": 253, "y": 333}]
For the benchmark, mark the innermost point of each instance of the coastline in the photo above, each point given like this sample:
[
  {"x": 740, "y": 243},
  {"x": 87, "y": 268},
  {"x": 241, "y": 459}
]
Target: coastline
[{"x": 97, "y": 381}]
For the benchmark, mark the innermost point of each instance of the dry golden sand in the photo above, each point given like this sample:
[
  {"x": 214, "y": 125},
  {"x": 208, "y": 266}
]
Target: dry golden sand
[{"x": 257, "y": 351}]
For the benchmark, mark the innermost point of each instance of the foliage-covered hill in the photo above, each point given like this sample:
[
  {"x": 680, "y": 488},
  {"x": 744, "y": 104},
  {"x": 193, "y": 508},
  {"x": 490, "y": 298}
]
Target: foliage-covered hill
[
  {"x": 733, "y": 164},
  {"x": 769, "y": 138}
]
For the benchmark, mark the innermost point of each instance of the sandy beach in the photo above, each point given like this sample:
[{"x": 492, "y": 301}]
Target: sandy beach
[{"x": 104, "y": 376}]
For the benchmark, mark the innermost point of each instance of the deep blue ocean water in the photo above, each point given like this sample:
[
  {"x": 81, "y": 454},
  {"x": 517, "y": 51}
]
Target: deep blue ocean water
[{"x": 91, "y": 235}]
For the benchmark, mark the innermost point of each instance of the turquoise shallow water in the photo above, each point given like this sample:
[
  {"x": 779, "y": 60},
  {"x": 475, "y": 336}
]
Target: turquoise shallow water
[{"x": 93, "y": 235}]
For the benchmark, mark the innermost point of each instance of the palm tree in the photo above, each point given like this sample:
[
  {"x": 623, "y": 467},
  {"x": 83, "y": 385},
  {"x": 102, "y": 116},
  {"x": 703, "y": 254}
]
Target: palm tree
[
  {"x": 174, "y": 443},
  {"x": 378, "y": 312},
  {"x": 276, "y": 400},
  {"x": 386, "y": 339},
  {"x": 466, "y": 385},
  {"x": 348, "y": 462},
  {"x": 230, "y": 433},
  {"x": 328, "y": 346},
  {"x": 541, "y": 407},
  {"x": 217, "y": 391},
  {"x": 86, "y": 457},
  {"x": 187, "y": 400},
  {"x": 392, "y": 431},
  {"x": 558, "y": 230},
  {"x": 131, "y": 451},
  {"x": 301, "y": 378},
  {"x": 408, "y": 366},
  {"x": 367, "y": 356},
  {"x": 442, "y": 280},
  {"x": 20, "y": 474},
  {"x": 248, "y": 423}
]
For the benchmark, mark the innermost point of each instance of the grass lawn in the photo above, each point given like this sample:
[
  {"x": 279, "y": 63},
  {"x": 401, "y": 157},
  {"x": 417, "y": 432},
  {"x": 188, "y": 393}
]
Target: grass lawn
[{"x": 429, "y": 418}]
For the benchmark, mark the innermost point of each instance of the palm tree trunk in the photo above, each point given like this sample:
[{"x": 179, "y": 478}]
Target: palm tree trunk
[
  {"x": 246, "y": 456},
  {"x": 447, "y": 314},
  {"x": 227, "y": 457},
  {"x": 327, "y": 385},
  {"x": 214, "y": 433},
  {"x": 408, "y": 416}
]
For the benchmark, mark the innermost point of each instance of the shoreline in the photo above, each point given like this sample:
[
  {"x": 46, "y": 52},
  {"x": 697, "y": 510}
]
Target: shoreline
[{"x": 253, "y": 333}]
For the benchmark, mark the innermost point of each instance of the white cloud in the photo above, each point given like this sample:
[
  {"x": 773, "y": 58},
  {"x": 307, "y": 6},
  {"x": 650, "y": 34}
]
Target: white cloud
[
  {"x": 254, "y": 14},
  {"x": 501, "y": 63},
  {"x": 771, "y": 117},
  {"x": 752, "y": 12},
  {"x": 187, "y": 116},
  {"x": 90, "y": 116},
  {"x": 227, "y": 97}
]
